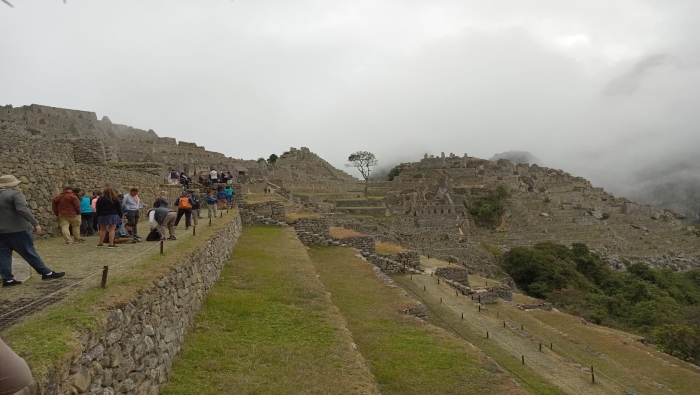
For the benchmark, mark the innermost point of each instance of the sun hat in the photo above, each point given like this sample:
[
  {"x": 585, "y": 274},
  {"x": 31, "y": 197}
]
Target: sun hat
[{"x": 9, "y": 181}]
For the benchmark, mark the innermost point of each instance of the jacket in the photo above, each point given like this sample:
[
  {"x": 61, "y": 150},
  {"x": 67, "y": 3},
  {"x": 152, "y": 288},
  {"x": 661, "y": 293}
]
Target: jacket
[
  {"x": 108, "y": 206},
  {"x": 14, "y": 213},
  {"x": 85, "y": 205},
  {"x": 65, "y": 204}
]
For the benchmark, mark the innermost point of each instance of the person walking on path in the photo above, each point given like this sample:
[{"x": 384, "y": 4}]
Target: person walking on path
[
  {"x": 14, "y": 371},
  {"x": 132, "y": 204},
  {"x": 164, "y": 217},
  {"x": 16, "y": 223},
  {"x": 211, "y": 203},
  {"x": 109, "y": 214},
  {"x": 184, "y": 206},
  {"x": 66, "y": 206},
  {"x": 86, "y": 214}
]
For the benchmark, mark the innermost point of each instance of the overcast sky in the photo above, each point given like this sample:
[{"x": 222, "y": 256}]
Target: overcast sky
[{"x": 599, "y": 88}]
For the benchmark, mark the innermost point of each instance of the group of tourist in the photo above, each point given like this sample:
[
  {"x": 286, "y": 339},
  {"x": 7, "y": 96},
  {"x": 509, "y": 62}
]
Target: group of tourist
[
  {"x": 208, "y": 179},
  {"x": 112, "y": 216}
]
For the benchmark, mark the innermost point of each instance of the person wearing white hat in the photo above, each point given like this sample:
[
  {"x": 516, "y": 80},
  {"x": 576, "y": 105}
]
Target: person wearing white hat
[{"x": 16, "y": 224}]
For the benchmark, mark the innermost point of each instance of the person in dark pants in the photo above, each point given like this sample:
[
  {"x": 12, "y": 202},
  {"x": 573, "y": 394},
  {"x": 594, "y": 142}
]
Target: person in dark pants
[
  {"x": 93, "y": 203},
  {"x": 86, "y": 215},
  {"x": 184, "y": 206},
  {"x": 16, "y": 223}
]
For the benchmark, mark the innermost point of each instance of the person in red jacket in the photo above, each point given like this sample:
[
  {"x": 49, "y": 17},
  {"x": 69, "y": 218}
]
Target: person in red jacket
[{"x": 66, "y": 206}]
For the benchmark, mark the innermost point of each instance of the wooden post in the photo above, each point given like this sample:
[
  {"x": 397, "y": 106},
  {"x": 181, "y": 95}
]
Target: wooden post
[
  {"x": 487, "y": 282},
  {"x": 504, "y": 324},
  {"x": 523, "y": 359},
  {"x": 462, "y": 315},
  {"x": 479, "y": 298},
  {"x": 592, "y": 375},
  {"x": 487, "y": 334},
  {"x": 438, "y": 280},
  {"x": 479, "y": 308},
  {"x": 194, "y": 231},
  {"x": 209, "y": 221},
  {"x": 161, "y": 246},
  {"x": 424, "y": 288},
  {"x": 440, "y": 300},
  {"x": 222, "y": 214},
  {"x": 540, "y": 347},
  {"x": 551, "y": 346},
  {"x": 105, "y": 270}
]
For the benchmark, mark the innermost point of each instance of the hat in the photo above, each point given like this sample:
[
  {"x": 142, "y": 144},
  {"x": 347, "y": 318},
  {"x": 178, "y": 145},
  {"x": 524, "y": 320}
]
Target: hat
[{"x": 8, "y": 181}]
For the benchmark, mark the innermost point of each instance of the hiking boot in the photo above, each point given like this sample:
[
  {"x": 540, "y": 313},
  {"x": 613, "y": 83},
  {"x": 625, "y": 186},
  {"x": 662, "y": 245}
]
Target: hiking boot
[
  {"x": 10, "y": 283},
  {"x": 111, "y": 246},
  {"x": 100, "y": 245},
  {"x": 52, "y": 275}
]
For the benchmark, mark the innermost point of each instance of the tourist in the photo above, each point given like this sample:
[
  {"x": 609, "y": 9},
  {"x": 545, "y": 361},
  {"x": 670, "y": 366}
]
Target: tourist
[
  {"x": 16, "y": 223},
  {"x": 132, "y": 204},
  {"x": 164, "y": 217},
  {"x": 174, "y": 177},
  {"x": 86, "y": 215},
  {"x": 197, "y": 209},
  {"x": 93, "y": 203},
  {"x": 14, "y": 371},
  {"x": 109, "y": 214},
  {"x": 66, "y": 206},
  {"x": 221, "y": 196},
  {"x": 214, "y": 176},
  {"x": 184, "y": 206},
  {"x": 195, "y": 205},
  {"x": 229, "y": 194},
  {"x": 162, "y": 200},
  {"x": 211, "y": 203}
]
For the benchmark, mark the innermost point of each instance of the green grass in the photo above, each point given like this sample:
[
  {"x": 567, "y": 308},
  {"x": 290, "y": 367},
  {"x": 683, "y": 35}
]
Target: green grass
[
  {"x": 406, "y": 355},
  {"x": 268, "y": 328},
  {"x": 52, "y": 336}
]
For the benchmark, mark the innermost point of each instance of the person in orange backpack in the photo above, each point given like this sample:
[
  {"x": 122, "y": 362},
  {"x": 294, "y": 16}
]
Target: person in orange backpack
[{"x": 184, "y": 206}]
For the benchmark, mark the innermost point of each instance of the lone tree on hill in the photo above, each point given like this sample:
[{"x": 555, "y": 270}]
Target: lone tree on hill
[
  {"x": 362, "y": 161},
  {"x": 272, "y": 159}
]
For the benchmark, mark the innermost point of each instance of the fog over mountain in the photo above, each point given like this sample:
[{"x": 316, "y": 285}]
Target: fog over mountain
[{"x": 605, "y": 90}]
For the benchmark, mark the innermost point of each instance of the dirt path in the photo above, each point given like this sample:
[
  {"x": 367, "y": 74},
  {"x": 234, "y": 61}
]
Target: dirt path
[{"x": 515, "y": 342}]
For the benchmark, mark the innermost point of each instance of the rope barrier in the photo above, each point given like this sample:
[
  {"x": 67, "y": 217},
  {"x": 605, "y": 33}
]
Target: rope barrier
[{"x": 542, "y": 368}]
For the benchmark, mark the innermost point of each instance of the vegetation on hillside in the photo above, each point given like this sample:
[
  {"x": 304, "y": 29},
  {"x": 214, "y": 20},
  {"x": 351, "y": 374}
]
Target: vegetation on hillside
[
  {"x": 488, "y": 210},
  {"x": 660, "y": 304},
  {"x": 395, "y": 171}
]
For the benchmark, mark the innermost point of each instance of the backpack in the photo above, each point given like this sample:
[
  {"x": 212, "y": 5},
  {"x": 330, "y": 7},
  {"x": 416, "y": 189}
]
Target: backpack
[
  {"x": 184, "y": 203},
  {"x": 153, "y": 235}
]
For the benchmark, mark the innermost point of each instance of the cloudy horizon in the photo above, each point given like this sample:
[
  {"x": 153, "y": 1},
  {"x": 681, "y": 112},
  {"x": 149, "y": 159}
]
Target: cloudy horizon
[{"x": 600, "y": 90}]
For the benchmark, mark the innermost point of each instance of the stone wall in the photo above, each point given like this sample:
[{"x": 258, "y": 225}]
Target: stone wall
[
  {"x": 263, "y": 214},
  {"x": 363, "y": 243},
  {"x": 133, "y": 352}
]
